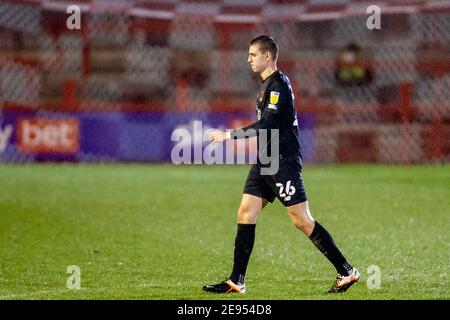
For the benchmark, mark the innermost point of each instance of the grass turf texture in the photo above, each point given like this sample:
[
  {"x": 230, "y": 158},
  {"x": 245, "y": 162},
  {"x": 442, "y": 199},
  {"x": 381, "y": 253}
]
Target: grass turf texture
[{"x": 162, "y": 232}]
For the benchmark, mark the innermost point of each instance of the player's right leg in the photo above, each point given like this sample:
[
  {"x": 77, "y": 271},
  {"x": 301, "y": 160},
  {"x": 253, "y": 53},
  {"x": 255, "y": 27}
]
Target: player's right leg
[{"x": 247, "y": 214}]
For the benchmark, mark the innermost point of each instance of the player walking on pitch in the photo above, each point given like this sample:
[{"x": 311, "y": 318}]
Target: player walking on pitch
[{"x": 275, "y": 107}]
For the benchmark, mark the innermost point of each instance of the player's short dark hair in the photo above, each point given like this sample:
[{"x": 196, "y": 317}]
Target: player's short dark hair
[{"x": 266, "y": 43}]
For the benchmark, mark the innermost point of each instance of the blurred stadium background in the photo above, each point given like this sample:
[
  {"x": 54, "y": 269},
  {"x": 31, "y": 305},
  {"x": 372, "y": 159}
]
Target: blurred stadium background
[{"x": 115, "y": 89}]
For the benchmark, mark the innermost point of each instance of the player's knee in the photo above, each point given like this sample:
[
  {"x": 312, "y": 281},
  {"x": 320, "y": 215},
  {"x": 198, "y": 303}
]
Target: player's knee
[
  {"x": 301, "y": 221},
  {"x": 302, "y": 226},
  {"x": 246, "y": 215}
]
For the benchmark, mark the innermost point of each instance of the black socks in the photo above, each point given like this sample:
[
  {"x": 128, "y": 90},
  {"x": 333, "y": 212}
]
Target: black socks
[
  {"x": 324, "y": 242},
  {"x": 245, "y": 239},
  {"x": 243, "y": 246}
]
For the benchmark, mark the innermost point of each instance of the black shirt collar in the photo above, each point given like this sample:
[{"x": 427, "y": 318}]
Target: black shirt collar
[{"x": 271, "y": 76}]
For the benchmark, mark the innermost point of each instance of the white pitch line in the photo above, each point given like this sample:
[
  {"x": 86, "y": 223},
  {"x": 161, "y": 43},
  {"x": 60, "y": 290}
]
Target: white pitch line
[{"x": 36, "y": 293}]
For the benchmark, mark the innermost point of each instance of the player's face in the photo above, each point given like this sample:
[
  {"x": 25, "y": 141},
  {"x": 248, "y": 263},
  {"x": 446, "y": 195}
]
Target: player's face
[{"x": 257, "y": 60}]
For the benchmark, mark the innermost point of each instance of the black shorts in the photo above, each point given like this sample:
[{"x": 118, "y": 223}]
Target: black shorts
[{"x": 286, "y": 184}]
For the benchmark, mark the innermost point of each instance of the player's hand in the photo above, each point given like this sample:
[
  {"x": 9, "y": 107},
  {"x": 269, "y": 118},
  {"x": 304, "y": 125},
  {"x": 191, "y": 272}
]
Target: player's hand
[{"x": 217, "y": 136}]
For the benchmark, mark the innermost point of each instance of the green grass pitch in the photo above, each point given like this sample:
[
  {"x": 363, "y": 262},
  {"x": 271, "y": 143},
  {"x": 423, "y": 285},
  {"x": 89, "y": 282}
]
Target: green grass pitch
[{"x": 163, "y": 231}]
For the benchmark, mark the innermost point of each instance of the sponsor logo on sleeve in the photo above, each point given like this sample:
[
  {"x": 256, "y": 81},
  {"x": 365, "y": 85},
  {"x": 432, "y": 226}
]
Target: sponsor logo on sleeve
[{"x": 274, "y": 96}]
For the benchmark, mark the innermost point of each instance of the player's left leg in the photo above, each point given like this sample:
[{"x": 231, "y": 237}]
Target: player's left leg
[{"x": 302, "y": 219}]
